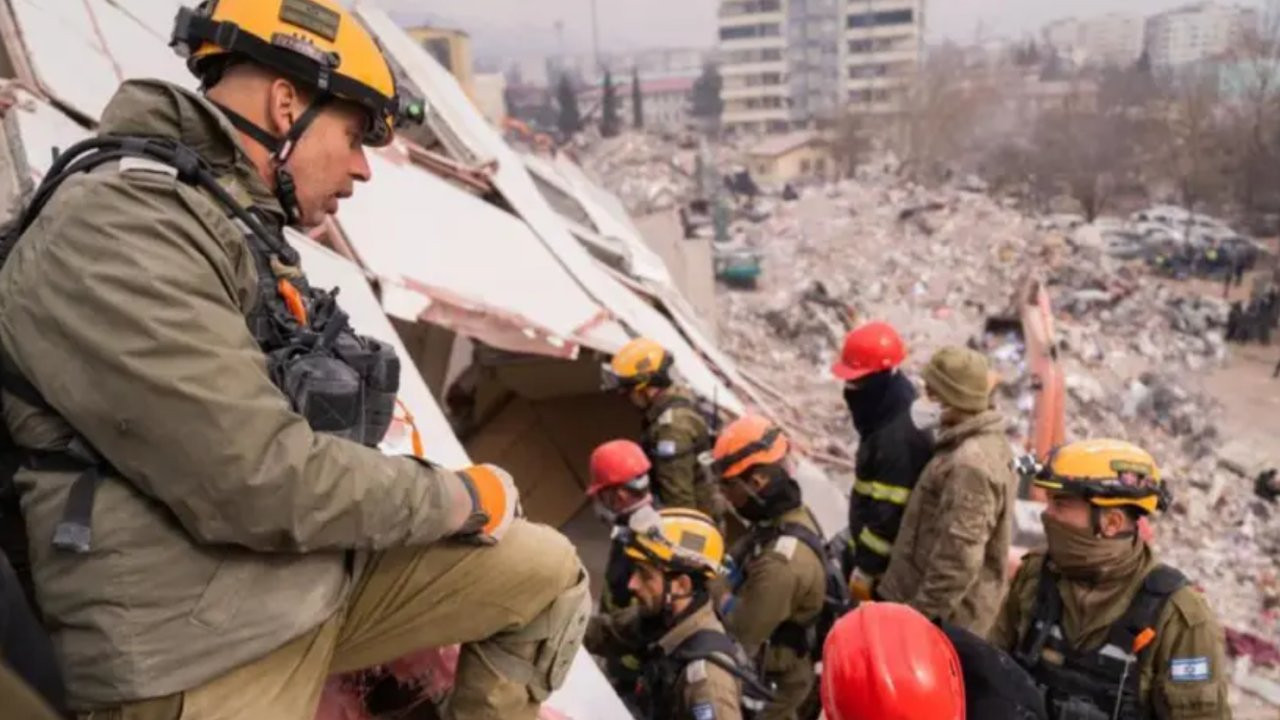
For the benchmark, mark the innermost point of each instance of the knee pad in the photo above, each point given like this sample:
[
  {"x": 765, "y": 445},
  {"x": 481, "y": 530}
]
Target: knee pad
[{"x": 557, "y": 634}]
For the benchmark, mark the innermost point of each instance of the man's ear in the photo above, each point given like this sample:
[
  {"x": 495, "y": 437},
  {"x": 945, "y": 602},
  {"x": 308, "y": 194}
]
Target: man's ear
[
  {"x": 1116, "y": 522},
  {"x": 283, "y": 106},
  {"x": 682, "y": 586}
]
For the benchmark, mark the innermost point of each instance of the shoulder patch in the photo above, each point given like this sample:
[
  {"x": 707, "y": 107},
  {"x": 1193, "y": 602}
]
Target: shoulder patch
[
  {"x": 1193, "y": 669},
  {"x": 785, "y": 546},
  {"x": 667, "y": 417},
  {"x": 696, "y": 672},
  {"x": 704, "y": 711},
  {"x": 666, "y": 448}
]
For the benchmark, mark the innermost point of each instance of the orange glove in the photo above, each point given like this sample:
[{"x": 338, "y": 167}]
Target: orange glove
[
  {"x": 860, "y": 585},
  {"x": 495, "y": 502}
]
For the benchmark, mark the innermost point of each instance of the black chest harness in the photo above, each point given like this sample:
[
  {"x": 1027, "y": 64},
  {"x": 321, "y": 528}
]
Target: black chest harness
[
  {"x": 1101, "y": 684},
  {"x": 344, "y": 384}
]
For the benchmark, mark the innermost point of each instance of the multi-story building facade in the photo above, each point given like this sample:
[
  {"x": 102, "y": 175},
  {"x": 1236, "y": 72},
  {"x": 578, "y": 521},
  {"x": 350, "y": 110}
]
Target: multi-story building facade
[
  {"x": 787, "y": 63},
  {"x": 1115, "y": 39},
  {"x": 1193, "y": 33}
]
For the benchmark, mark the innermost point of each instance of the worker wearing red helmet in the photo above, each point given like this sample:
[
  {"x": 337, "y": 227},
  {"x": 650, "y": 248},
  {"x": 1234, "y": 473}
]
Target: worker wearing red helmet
[
  {"x": 620, "y": 490},
  {"x": 886, "y": 661},
  {"x": 891, "y": 450}
]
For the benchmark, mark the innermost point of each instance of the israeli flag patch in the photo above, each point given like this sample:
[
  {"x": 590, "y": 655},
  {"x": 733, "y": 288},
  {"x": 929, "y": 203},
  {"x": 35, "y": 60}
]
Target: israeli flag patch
[
  {"x": 666, "y": 448},
  {"x": 704, "y": 711},
  {"x": 1194, "y": 669}
]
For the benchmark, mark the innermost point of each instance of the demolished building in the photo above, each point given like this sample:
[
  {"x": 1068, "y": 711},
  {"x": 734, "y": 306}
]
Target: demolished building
[{"x": 500, "y": 306}]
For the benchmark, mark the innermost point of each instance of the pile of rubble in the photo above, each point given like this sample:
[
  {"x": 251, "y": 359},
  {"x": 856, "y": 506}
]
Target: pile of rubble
[
  {"x": 940, "y": 264},
  {"x": 647, "y": 174}
]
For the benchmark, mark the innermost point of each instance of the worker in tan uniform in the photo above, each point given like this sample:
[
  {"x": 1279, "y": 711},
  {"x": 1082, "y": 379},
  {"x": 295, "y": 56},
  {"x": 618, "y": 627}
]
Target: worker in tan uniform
[
  {"x": 674, "y": 433},
  {"x": 952, "y": 550},
  {"x": 1104, "y": 628},
  {"x": 692, "y": 669},
  {"x": 213, "y": 530},
  {"x": 781, "y": 589}
]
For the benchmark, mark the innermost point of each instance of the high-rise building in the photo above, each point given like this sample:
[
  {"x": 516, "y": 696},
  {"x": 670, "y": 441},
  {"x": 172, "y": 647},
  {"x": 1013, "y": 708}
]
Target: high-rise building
[
  {"x": 1196, "y": 32},
  {"x": 786, "y": 63},
  {"x": 1114, "y": 39}
]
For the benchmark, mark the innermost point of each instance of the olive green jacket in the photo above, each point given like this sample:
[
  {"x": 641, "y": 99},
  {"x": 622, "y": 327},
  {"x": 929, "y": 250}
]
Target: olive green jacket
[
  {"x": 703, "y": 690},
  {"x": 1186, "y": 629},
  {"x": 950, "y": 556},
  {"x": 674, "y": 434},
  {"x": 231, "y": 527}
]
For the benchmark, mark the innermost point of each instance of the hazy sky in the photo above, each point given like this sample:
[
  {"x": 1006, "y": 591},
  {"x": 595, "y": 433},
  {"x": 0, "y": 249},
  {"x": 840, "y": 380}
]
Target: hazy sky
[{"x": 527, "y": 26}]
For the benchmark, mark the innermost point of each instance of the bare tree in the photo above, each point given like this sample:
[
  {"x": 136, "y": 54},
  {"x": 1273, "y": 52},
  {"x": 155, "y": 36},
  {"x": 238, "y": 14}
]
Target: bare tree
[
  {"x": 1253, "y": 113},
  {"x": 943, "y": 112},
  {"x": 1192, "y": 139}
]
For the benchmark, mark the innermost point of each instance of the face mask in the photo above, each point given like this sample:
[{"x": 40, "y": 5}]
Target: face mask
[
  {"x": 1081, "y": 555},
  {"x": 779, "y": 495}
]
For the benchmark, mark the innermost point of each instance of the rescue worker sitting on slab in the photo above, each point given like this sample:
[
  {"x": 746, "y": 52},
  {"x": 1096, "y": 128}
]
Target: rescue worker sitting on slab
[
  {"x": 619, "y": 490},
  {"x": 674, "y": 433},
  {"x": 692, "y": 670},
  {"x": 782, "y": 588},
  {"x": 891, "y": 449},
  {"x": 950, "y": 558},
  {"x": 1106, "y": 629},
  {"x": 213, "y": 530}
]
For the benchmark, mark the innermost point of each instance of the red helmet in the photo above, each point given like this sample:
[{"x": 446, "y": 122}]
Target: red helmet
[
  {"x": 619, "y": 462},
  {"x": 869, "y": 349},
  {"x": 885, "y": 661}
]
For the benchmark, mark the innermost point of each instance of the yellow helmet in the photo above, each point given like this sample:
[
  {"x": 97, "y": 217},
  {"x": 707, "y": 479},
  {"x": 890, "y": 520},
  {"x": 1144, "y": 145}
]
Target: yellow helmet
[
  {"x": 315, "y": 42},
  {"x": 683, "y": 541},
  {"x": 637, "y": 364},
  {"x": 1107, "y": 473}
]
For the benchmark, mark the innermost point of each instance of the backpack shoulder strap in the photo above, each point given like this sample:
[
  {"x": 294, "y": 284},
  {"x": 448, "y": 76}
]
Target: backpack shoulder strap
[
  {"x": 1046, "y": 613},
  {"x": 722, "y": 651},
  {"x": 1144, "y": 610},
  {"x": 806, "y": 536}
]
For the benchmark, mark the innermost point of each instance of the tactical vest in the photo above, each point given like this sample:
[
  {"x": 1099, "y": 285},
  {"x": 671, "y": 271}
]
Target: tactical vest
[
  {"x": 650, "y": 441},
  {"x": 344, "y": 384},
  {"x": 807, "y": 639},
  {"x": 1100, "y": 684},
  {"x": 662, "y": 672}
]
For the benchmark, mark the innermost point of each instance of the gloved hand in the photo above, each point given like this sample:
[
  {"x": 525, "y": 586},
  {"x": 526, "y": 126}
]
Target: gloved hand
[
  {"x": 861, "y": 585},
  {"x": 495, "y": 503}
]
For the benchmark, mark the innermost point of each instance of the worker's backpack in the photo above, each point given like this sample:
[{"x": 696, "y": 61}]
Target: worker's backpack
[
  {"x": 662, "y": 675},
  {"x": 837, "y": 601}
]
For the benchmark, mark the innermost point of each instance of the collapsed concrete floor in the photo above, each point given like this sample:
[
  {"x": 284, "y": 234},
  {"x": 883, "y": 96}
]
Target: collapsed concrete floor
[{"x": 1145, "y": 357}]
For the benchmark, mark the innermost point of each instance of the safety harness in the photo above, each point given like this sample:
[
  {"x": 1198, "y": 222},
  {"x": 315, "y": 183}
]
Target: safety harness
[
  {"x": 658, "y": 690},
  {"x": 343, "y": 383},
  {"x": 1100, "y": 684}
]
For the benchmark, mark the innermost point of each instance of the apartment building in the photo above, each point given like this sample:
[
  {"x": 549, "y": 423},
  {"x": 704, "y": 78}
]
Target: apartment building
[
  {"x": 787, "y": 63},
  {"x": 1192, "y": 33},
  {"x": 1114, "y": 39}
]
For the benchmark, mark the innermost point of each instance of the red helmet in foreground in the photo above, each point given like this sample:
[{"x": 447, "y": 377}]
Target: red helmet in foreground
[
  {"x": 872, "y": 348},
  {"x": 885, "y": 661},
  {"x": 619, "y": 463}
]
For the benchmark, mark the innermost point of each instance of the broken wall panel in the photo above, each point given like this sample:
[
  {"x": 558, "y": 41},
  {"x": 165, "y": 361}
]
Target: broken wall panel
[
  {"x": 470, "y": 265},
  {"x": 479, "y": 142},
  {"x": 80, "y": 51}
]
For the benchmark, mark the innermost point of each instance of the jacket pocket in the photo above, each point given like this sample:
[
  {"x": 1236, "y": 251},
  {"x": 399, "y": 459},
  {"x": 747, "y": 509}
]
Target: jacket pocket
[{"x": 227, "y": 589}]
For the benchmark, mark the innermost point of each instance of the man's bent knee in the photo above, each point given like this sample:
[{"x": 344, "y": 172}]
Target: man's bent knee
[{"x": 539, "y": 654}]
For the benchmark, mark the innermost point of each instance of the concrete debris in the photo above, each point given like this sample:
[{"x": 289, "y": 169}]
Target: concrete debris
[{"x": 944, "y": 266}]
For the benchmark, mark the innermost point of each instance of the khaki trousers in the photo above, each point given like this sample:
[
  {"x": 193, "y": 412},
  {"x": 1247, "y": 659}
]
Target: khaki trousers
[{"x": 406, "y": 600}]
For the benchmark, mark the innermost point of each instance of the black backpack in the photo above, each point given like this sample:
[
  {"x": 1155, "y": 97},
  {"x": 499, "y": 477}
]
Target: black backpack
[
  {"x": 716, "y": 648},
  {"x": 836, "y": 600}
]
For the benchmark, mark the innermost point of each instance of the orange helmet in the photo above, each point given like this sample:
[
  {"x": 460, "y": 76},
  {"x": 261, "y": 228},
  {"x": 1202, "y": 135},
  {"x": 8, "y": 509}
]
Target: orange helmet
[
  {"x": 869, "y": 349},
  {"x": 885, "y": 661},
  {"x": 747, "y": 442}
]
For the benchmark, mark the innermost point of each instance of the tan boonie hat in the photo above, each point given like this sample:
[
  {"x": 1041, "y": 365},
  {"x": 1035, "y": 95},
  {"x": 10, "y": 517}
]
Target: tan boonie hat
[{"x": 959, "y": 377}]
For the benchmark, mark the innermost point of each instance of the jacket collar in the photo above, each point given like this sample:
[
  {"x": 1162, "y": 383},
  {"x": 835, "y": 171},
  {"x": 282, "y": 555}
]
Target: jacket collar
[
  {"x": 990, "y": 422},
  {"x": 701, "y": 619}
]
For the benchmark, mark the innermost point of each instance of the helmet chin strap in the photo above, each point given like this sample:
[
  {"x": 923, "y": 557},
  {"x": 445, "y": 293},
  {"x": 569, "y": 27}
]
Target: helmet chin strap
[{"x": 286, "y": 191}]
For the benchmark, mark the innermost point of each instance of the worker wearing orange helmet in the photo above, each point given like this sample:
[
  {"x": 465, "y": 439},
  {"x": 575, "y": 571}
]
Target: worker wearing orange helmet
[
  {"x": 886, "y": 661},
  {"x": 674, "y": 432},
  {"x": 213, "y": 529},
  {"x": 1097, "y": 620},
  {"x": 776, "y": 603},
  {"x": 949, "y": 560},
  {"x": 620, "y": 491},
  {"x": 891, "y": 449}
]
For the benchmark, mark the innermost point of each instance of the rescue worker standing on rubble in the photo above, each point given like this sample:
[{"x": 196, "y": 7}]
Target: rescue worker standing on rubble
[
  {"x": 692, "y": 669},
  {"x": 200, "y": 424},
  {"x": 620, "y": 490},
  {"x": 674, "y": 432},
  {"x": 891, "y": 449},
  {"x": 952, "y": 550},
  {"x": 782, "y": 588},
  {"x": 1107, "y": 630}
]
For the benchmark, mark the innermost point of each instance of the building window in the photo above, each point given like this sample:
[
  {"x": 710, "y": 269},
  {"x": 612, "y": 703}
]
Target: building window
[
  {"x": 439, "y": 49},
  {"x": 868, "y": 71},
  {"x": 749, "y": 31},
  {"x": 804, "y": 167},
  {"x": 876, "y": 19}
]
